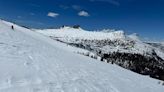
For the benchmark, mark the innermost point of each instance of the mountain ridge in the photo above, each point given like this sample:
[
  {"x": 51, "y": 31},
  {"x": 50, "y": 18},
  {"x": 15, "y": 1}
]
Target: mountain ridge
[
  {"x": 127, "y": 51},
  {"x": 31, "y": 62}
]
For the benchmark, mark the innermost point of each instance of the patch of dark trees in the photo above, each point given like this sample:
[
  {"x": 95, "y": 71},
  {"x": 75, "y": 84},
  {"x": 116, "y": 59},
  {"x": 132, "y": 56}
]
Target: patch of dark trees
[
  {"x": 145, "y": 65},
  {"x": 86, "y": 46},
  {"x": 104, "y": 42},
  {"x": 150, "y": 64}
]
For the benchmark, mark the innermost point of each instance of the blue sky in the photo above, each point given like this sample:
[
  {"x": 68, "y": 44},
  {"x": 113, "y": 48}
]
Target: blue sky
[{"x": 145, "y": 17}]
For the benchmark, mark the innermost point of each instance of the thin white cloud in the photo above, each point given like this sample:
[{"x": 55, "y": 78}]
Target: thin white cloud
[
  {"x": 32, "y": 14},
  {"x": 114, "y": 2},
  {"x": 19, "y": 17},
  {"x": 34, "y": 5},
  {"x": 52, "y": 14},
  {"x": 76, "y": 7},
  {"x": 64, "y": 7},
  {"x": 83, "y": 13}
]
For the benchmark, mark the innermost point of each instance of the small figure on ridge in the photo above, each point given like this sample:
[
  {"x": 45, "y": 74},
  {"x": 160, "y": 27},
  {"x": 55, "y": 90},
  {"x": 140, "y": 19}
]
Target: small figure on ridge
[{"x": 12, "y": 27}]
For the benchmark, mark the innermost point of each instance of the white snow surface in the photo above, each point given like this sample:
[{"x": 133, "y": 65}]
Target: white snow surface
[
  {"x": 72, "y": 33},
  {"x": 30, "y": 62}
]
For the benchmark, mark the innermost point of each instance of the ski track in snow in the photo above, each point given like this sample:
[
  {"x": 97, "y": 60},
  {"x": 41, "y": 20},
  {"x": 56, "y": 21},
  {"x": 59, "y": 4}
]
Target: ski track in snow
[{"x": 30, "y": 62}]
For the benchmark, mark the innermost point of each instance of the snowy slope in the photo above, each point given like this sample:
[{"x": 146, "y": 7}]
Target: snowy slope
[
  {"x": 108, "y": 41},
  {"x": 30, "y": 62},
  {"x": 127, "y": 51},
  {"x": 71, "y": 35}
]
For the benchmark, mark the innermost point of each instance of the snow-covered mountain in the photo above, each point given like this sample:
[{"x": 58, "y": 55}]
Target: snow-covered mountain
[
  {"x": 31, "y": 62},
  {"x": 127, "y": 51},
  {"x": 157, "y": 45}
]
